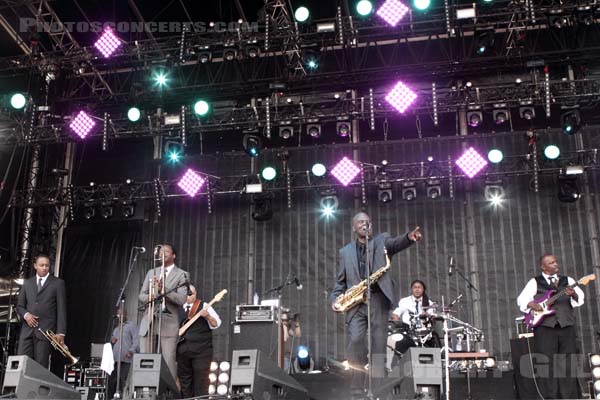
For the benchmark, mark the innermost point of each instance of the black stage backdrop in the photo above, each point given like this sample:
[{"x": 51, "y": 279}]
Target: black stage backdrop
[{"x": 497, "y": 247}]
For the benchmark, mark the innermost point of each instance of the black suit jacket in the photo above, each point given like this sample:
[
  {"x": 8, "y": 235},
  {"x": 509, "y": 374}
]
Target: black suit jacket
[
  {"x": 348, "y": 274},
  {"x": 50, "y": 305}
]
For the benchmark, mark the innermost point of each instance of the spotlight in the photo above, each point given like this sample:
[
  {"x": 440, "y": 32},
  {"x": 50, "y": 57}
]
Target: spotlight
[
  {"x": 392, "y": 11},
  {"x": 229, "y": 54},
  {"x": 484, "y": 40},
  {"x": 500, "y": 116},
  {"x": 494, "y": 191},
  {"x": 191, "y": 182},
  {"x": 471, "y": 162},
  {"x": 224, "y": 366},
  {"x": 222, "y": 390},
  {"x": 252, "y": 51},
  {"x": 495, "y": 156},
  {"x": 474, "y": 118},
  {"x": 490, "y": 363},
  {"x": 201, "y": 107},
  {"x": 364, "y": 8},
  {"x": 594, "y": 360},
  {"x": 204, "y": 56},
  {"x": 82, "y": 124},
  {"x": 160, "y": 79},
  {"x": 329, "y": 202},
  {"x": 318, "y": 169},
  {"x": 527, "y": 112},
  {"x": 134, "y": 114},
  {"x": 568, "y": 190},
  {"x": 409, "y": 191},
  {"x": 127, "y": 209},
  {"x": 302, "y": 14},
  {"x": 304, "y": 362},
  {"x": 422, "y": 4},
  {"x": 585, "y": 15},
  {"x": 434, "y": 189},
  {"x": 173, "y": 151},
  {"x": 557, "y": 19},
  {"x": 89, "y": 211},
  {"x": 108, "y": 43},
  {"x": 384, "y": 192},
  {"x": 252, "y": 145},
  {"x": 18, "y": 101},
  {"x": 268, "y": 173},
  {"x": 314, "y": 130},
  {"x": 552, "y": 152},
  {"x": 570, "y": 121},
  {"x": 343, "y": 129},
  {"x": 263, "y": 210},
  {"x": 107, "y": 210},
  {"x": 286, "y": 132}
]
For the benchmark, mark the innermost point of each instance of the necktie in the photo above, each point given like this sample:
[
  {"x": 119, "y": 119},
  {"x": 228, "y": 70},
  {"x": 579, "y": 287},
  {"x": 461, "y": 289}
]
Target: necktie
[
  {"x": 417, "y": 307},
  {"x": 39, "y": 284},
  {"x": 551, "y": 281},
  {"x": 187, "y": 308}
]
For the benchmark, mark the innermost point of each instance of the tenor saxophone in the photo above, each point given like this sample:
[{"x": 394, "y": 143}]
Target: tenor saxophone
[{"x": 357, "y": 294}]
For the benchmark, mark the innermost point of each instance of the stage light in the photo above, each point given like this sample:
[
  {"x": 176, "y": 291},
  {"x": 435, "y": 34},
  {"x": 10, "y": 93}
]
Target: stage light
[
  {"x": 89, "y": 212},
  {"x": 318, "y": 169},
  {"x": 224, "y": 366},
  {"x": 223, "y": 377},
  {"x": 490, "y": 363},
  {"x": 595, "y": 360},
  {"x": 384, "y": 191},
  {"x": 434, "y": 189},
  {"x": 252, "y": 51},
  {"x": 286, "y": 132},
  {"x": 495, "y": 156},
  {"x": 18, "y": 101},
  {"x": 229, "y": 54},
  {"x": 212, "y": 377},
  {"x": 160, "y": 79},
  {"x": 201, "y": 107},
  {"x": 269, "y": 173},
  {"x": 484, "y": 40},
  {"x": 364, "y": 8},
  {"x": 314, "y": 130},
  {"x": 570, "y": 121},
  {"x": 173, "y": 151},
  {"x": 263, "y": 210},
  {"x": 494, "y": 191},
  {"x": 574, "y": 170},
  {"x": 343, "y": 129},
  {"x": 301, "y": 14},
  {"x": 303, "y": 358},
  {"x": 568, "y": 190},
  {"x": 212, "y": 389},
  {"x": 345, "y": 171},
  {"x": 500, "y": 116},
  {"x": 557, "y": 19},
  {"x": 312, "y": 64},
  {"x": 422, "y": 4},
  {"x": 107, "y": 210},
  {"x": 222, "y": 390},
  {"x": 191, "y": 182},
  {"x": 108, "y": 43},
  {"x": 401, "y": 97},
  {"x": 214, "y": 366},
  {"x": 329, "y": 202},
  {"x": 527, "y": 112},
  {"x": 409, "y": 191},
  {"x": 392, "y": 11},
  {"x": 552, "y": 152},
  {"x": 204, "y": 56},
  {"x": 471, "y": 162},
  {"x": 82, "y": 125},
  {"x": 474, "y": 118},
  {"x": 127, "y": 209},
  {"x": 252, "y": 145},
  {"x": 134, "y": 114},
  {"x": 585, "y": 15}
]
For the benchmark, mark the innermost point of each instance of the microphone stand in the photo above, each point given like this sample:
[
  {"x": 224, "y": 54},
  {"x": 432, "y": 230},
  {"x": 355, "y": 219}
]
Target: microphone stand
[
  {"x": 120, "y": 305},
  {"x": 369, "y": 333}
]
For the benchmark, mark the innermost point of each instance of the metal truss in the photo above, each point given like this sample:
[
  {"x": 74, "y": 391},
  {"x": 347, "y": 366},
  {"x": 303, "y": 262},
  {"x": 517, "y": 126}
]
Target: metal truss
[
  {"x": 265, "y": 114},
  {"x": 361, "y": 51},
  {"x": 439, "y": 172}
]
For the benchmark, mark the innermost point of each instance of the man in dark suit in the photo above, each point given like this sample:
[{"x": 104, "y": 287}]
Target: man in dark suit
[
  {"x": 195, "y": 348},
  {"x": 42, "y": 304},
  {"x": 353, "y": 267}
]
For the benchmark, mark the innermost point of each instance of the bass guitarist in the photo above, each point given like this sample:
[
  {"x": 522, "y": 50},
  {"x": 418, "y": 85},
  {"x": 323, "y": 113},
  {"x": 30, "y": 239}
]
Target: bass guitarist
[
  {"x": 195, "y": 348},
  {"x": 555, "y": 336}
]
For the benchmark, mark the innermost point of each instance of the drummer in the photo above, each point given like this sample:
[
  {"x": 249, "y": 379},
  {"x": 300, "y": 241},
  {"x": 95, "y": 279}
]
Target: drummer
[{"x": 414, "y": 305}]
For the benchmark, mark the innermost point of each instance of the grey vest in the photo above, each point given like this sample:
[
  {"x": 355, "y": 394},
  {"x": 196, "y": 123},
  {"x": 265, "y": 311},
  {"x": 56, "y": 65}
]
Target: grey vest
[{"x": 565, "y": 315}]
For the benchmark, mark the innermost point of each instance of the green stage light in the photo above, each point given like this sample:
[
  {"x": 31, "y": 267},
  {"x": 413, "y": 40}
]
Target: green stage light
[
  {"x": 18, "y": 101},
  {"x": 422, "y": 4},
  {"x": 312, "y": 64},
  {"x": 552, "y": 152},
  {"x": 318, "y": 169},
  {"x": 364, "y": 7},
  {"x": 301, "y": 14},
  {"x": 269, "y": 173},
  {"x": 134, "y": 114},
  {"x": 495, "y": 156},
  {"x": 160, "y": 79},
  {"x": 201, "y": 107}
]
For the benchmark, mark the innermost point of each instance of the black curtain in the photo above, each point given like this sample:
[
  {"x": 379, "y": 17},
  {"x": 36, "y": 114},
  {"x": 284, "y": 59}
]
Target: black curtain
[{"x": 94, "y": 268}]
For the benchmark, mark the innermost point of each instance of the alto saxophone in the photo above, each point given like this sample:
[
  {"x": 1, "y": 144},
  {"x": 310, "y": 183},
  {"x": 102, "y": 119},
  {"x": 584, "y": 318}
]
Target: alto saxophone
[{"x": 357, "y": 294}]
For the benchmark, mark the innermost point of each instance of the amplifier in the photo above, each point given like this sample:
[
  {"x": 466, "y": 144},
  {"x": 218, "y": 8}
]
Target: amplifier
[
  {"x": 72, "y": 375},
  {"x": 94, "y": 378},
  {"x": 253, "y": 313}
]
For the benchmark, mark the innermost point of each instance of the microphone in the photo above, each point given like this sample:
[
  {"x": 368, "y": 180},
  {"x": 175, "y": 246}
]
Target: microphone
[
  {"x": 367, "y": 226},
  {"x": 140, "y": 249},
  {"x": 450, "y": 265},
  {"x": 455, "y": 300},
  {"x": 298, "y": 284},
  {"x": 187, "y": 285}
]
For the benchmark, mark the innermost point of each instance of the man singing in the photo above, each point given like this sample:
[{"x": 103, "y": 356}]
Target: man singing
[
  {"x": 42, "y": 305},
  {"x": 175, "y": 295},
  {"x": 353, "y": 268},
  {"x": 555, "y": 337}
]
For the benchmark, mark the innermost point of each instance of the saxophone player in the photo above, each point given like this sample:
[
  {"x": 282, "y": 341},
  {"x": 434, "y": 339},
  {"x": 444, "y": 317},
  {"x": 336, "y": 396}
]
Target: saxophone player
[{"x": 352, "y": 269}]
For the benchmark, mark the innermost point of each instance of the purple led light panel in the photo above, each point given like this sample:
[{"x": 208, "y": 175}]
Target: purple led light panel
[
  {"x": 191, "y": 183},
  {"x": 82, "y": 125},
  {"x": 471, "y": 162},
  {"x": 345, "y": 171},
  {"x": 392, "y": 11},
  {"x": 108, "y": 43},
  {"x": 401, "y": 97}
]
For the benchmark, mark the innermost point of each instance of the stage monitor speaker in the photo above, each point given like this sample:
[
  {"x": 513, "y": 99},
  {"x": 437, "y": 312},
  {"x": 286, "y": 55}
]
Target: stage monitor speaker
[
  {"x": 260, "y": 335},
  {"x": 27, "y": 379},
  {"x": 150, "y": 377},
  {"x": 421, "y": 369},
  {"x": 252, "y": 372}
]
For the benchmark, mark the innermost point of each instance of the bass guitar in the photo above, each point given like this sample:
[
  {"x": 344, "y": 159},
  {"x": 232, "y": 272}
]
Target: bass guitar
[
  {"x": 534, "y": 318},
  {"x": 191, "y": 321}
]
